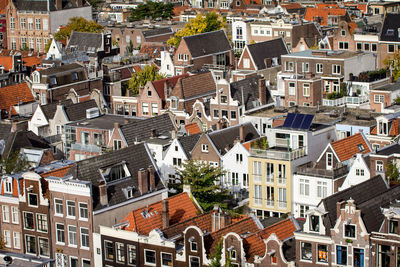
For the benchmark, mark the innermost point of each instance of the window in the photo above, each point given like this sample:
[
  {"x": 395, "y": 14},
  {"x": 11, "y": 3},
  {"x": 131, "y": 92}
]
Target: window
[
  {"x": 166, "y": 259},
  {"x": 329, "y": 160},
  {"x": 8, "y": 186},
  {"x": 32, "y": 200},
  {"x": 29, "y": 223},
  {"x": 391, "y": 48},
  {"x": 148, "y": 92},
  {"x": 44, "y": 247},
  {"x": 30, "y": 244},
  {"x": 117, "y": 144},
  {"x": 60, "y": 233},
  {"x": 322, "y": 189},
  {"x": 39, "y": 44},
  {"x": 145, "y": 108},
  {"x": 83, "y": 211},
  {"x": 319, "y": 67},
  {"x": 245, "y": 179},
  {"x": 305, "y": 66},
  {"x": 336, "y": 69},
  {"x": 233, "y": 115},
  {"x": 359, "y": 46},
  {"x": 70, "y": 208},
  {"x": 194, "y": 261},
  {"x": 224, "y": 113},
  {"x": 292, "y": 88},
  {"x": 257, "y": 171},
  {"x": 30, "y": 23},
  {"x": 120, "y": 251},
  {"x": 322, "y": 253},
  {"x": 12, "y": 23},
  {"x": 58, "y": 203},
  {"x": 131, "y": 254},
  {"x": 366, "y": 46},
  {"x": 341, "y": 255},
  {"x": 180, "y": 57},
  {"x": 97, "y": 139},
  {"x": 6, "y": 213},
  {"x": 379, "y": 166},
  {"x": 379, "y": 98},
  {"x": 84, "y": 237},
  {"x": 303, "y": 210},
  {"x": 204, "y": 148},
  {"x": 257, "y": 195},
  {"x": 374, "y": 47},
  {"x": 7, "y": 238},
  {"x": 383, "y": 256},
  {"x": 306, "y": 251},
  {"x": 138, "y": 39},
  {"x": 177, "y": 161},
  {"x": 154, "y": 109},
  {"x": 37, "y": 24},
  {"x": 85, "y": 138},
  {"x": 282, "y": 173},
  {"x": 270, "y": 196},
  {"x": 282, "y": 198},
  {"x": 343, "y": 33},
  {"x": 185, "y": 57},
  {"x": 108, "y": 250},
  {"x": 343, "y": 45},
  {"x": 72, "y": 235},
  {"x": 149, "y": 257},
  {"x": 17, "y": 240},
  {"x": 224, "y": 99},
  {"x": 85, "y": 263},
  {"x": 314, "y": 223},
  {"x": 73, "y": 262},
  {"x": 393, "y": 227},
  {"x": 358, "y": 257},
  {"x": 235, "y": 178},
  {"x": 23, "y": 23},
  {"x": 193, "y": 246},
  {"x": 246, "y": 63},
  {"x": 306, "y": 89},
  {"x": 350, "y": 230},
  {"x": 289, "y": 66},
  {"x": 304, "y": 187},
  {"x": 41, "y": 221},
  {"x": 239, "y": 158},
  {"x": 45, "y": 25}
]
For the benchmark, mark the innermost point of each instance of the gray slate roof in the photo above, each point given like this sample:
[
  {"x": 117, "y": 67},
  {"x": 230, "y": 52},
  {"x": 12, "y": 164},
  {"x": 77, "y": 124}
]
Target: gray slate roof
[
  {"x": 268, "y": 49},
  {"x": 140, "y": 130},
  {"x": 226, "y": 137},
  {"x": 207, "y": 43},
  {"x": 49, "y": 110},
  {"x": 24, "y": 139},
  {"x": 60, "y": 69},
  {"x": 135, "y": 158},
  {"x": 85, "y": 41},
  {"x": 389, "y": 150},
  {"x": 188, "y": 142},
  {"x": 78, "y": 111},
  {"x": 157, "y": 31},
  {"x": 390, "y": 28},
  {"x": 38, "y": 5},
  {"x": 5, "y": 130}
]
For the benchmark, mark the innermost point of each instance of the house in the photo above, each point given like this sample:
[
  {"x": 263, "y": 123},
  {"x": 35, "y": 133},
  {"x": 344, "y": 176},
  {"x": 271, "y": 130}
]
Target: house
[
  {"x": 383, "y": 7},
  {"x": 385, "y": 130},
  {"x": 382, "y": 157},
  {"x": 358, "y": 172},
  {"x": 16, "y": 99},
  {"x": 30, "y": 25},
  {"x": 327, "y": 16},
  {"x": 271, "y": 169},
  {"x": 389, "y": 38},
  {"x": 384, "y": 96},
  {"x": 204, "y": 50}
]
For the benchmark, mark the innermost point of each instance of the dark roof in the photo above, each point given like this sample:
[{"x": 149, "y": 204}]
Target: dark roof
[
  {"x": 268, "y": 49},
  {"x": 250, "y": 97},
  {"x": 207, "y": 43},
  {"x": 135, "y": 158},
  {"x": 78, "y": 111},
  {"x": 140, "y": 130},
  {"x": 225, "y": 138},
  {"x": 85, "y": 41},
  {"x": 38, "y": 5},
  {"x": 188, "y": 142},
  {"x": 5, "y": 130},
  {"x": 24, "y": 139},
  {"x": 389, "y": 150},
  {"x": 105, "y": 121},
  {"x": 49, "y": 110},
  {"x": 158, "y": 31},
  {"x": 59, "y": 69},
  {"x": 390, "y": 27},
  {"x": 377, "y": 185}
]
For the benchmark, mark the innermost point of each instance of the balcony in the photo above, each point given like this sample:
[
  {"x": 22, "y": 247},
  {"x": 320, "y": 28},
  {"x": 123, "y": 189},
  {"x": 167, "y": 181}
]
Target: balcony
[
  {"x": 310, "y": 170},
  {"x": 282, "y": 180},
  {"x": 257, "y": 177},
  {"x": 214, "y": 67},
  {"x": 86, "y": 148},
  {"x": 279, "y": 153},
  {"x": 347, "y": 100},
  {"x": 257, "y": 201},
  {"x": 269, "y": 178},
  {"x": 282, "y": 204},
  {"x": 270, "y": 203}
]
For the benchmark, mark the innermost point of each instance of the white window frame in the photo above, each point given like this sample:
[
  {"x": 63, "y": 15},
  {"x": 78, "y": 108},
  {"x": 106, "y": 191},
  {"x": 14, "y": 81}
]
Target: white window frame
[
  {"x": 17, "y": 240},
  {"x": 246, "y": 63},
  {"x": 87, "y": 211},
  {"x": 306, "y": 89},
  {"x": 204, "y": 148},
  {"x": 72, "y": 244},
  {"x": 14, "y": 215},
  {"x": 145, "y": 259},
  {"x": 57, "y": 234},
  {"x": 319, "y": 68},
  {"x": 83, "y": 246},
  {"x": 335, "y": 68},
  {"x": 7, "y": 238},
  {"x": 6, "y": 213},
  {"x": 57, "y": 205},
  {"x": 73, "y": 207}
]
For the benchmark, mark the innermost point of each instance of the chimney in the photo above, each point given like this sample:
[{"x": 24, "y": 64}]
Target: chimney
[
  {"x": 116, "y": 125},
  {"x": 173, "y": 134},
  {"x": 152, "y": 177},
  {"x": 241, "y": 133},
  {"x": 186, "y": 189},
  {"x": 165, "y": 213},
  {"x": 58, "y": 4},
  {"x": 225, "y": 220},
  {"x": 166, "y": 91},
  {"x": 268, "y": 62},
  {"x": 103, "y": 194},
  {"x": 262, "y": 91},
  {"x": 143, "y": 181},
  {"x": 338, "y": 208},
  {"x": 153, "y": 133}
]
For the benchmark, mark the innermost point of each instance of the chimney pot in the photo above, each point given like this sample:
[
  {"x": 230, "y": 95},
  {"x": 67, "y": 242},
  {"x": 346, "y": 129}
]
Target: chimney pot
[
  {"x": 241, "y": 133},
  {"x": 103, "y": 194},
  {"x": 116, "y": 125},
  {"x": 152, "y": 177},
  {"x": 165, "y": 213},
  {"x": 143, "y": 181}
]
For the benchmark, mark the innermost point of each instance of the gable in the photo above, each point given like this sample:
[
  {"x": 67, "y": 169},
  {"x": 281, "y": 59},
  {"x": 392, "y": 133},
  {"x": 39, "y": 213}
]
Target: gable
[
  {"x": 211, "y": 155},
  {"x": 38, "y": 117},
  {"x": 246, "y": 57}
]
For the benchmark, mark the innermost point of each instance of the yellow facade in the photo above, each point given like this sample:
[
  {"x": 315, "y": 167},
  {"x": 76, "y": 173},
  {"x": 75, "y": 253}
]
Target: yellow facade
[{"x": 272, "y": 184}]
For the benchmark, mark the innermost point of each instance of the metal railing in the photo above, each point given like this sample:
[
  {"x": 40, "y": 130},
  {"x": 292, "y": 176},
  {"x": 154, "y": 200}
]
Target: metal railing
[
  {"x": 309, "y": 169},
  {"x": 282, "y": 204},
  {"x": 257, "y": 201},
  {"x": 351, "y": 100},
  {"x": 269, "y": 203},
  {"x": 269, "y": 178},
  {"x": 214, "y": 67},
  {"x": 87, "y": 148},
  {"x": 279, "y": 154}
]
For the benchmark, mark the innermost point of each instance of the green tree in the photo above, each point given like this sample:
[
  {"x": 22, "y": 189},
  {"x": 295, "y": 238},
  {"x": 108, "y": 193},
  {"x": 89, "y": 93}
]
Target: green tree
[
  {"x": 78, "y": 24},
  {"x": 392, "y": 172},
  {"x": 204, "y": 181},
  {"x": 139, "y": 79},
  {"x": 216, "y": 257},
  {"x": 15, "y": 162},
  {"x": 152, "y": 9},
  {"x": 393, "y": 63},
  {"x": 208, "y": 23}
]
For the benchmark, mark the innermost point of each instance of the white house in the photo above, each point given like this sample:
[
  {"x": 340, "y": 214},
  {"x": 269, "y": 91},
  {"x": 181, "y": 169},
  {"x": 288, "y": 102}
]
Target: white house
[
  {"x": 55, "y": 51},
  {"x": 359, "y": 172},
  {"x": 167, "y": 64}
]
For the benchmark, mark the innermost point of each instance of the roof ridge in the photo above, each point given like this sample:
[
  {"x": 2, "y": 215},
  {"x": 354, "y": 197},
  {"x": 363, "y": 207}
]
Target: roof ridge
[{"x": 203, "y": 33}]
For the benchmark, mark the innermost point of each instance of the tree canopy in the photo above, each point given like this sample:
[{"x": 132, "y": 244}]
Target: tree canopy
[
  {"x": 139, "y": 79},
  {"x": 78, "y": 24},
  {"x": 151, "y": 9},
  {"x": 393, "y": 63},
  {"x": 14, "y": 163},
  {"x": 392, "y": 172},
  {"x": 204, "y": 181},
  {"x": 201, "y": 24}
]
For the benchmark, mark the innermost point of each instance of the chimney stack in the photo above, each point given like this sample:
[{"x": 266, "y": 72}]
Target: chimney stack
[
  {"x": 143, "y": 181},
  {"x": 173, "y": 134},
  {"x": 152, "y": 177},
  {"x": 116, "y": 125},
  {"x": 103, "y": 194},
  {"x": 262, "y": 91},
  {"x": 153, "y": 133},
  {"x": 165, "y": 213},
  {"x": 338, "y": 208},
  {"x": 241, "y": 133}
]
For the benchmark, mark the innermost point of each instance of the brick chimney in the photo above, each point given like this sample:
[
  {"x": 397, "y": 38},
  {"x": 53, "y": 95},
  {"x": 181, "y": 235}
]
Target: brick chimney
[
  {"x": 339, "y": 206},
  {"x": 241, "y": 133},
  {"x": 262, "y": 91},
  {"x": 116, "y": 125},
  {"x": 143, "y": 181},
  {"x": 165, "y": 213},
  {"x": 219, "y": 219},
  {"x": 152, "y": 177},
  {"x": 103, "y": 194},
  {"x": 153, "y": 133}
]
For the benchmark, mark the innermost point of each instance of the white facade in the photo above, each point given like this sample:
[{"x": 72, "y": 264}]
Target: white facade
[
  {"x": 262, "y": 124},
  {"x": 167, "y": 64},
  {"x": 55, "y": 50},
  {"x": 240, "y": 33},
  {"x": 38, "y": 122},
  {"x": 359, "y": 172}
]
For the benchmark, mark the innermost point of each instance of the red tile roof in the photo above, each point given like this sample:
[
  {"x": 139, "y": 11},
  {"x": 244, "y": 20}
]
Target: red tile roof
[
  {"x": 32, "y": 61},
  {"x": 347, "y": 147},
  {"x": 3, "y": 4},
  {"x": 61, "y": 172},
  {"x": 291, "y": 6},
  {"x": 255, "y": 242},
  {"x": 10, "y": 95},
  {"x": 313, "y": 13},
  {"x": 159, "y": 84},
  {"x": 394, "y": 128},
  {"x": 324, "y": 5},
  {"x": 6, "y": 62},
  {"x": 192, "y": 128},
  {"x": 181, "y": 208}
]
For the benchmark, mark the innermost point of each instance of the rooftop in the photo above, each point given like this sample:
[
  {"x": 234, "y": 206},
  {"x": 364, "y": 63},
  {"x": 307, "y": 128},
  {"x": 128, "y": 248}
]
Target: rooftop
[
  {"x": 105, "y": 122},
  {"x": 324, "y": 54}
]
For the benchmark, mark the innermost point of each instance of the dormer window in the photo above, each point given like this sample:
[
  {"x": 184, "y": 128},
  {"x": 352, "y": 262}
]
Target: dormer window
[
  {"x": 53, "y": 80},
  {"x": 360, "y": 147},
  {"x": 390, "y": 32},
  {"x": 129, "y": 192},
  {"x": 8, "y": 186},
  {"x": 329, "y": 160},
  {"x": 174, "y": 103},
  {"x": 350, "y": 231},
  {"x": 114, "y": 173},
  {"x": 314, "y": 223},
  {"x": 224, "y": 99},
  {"x": 383, "y": 128},
  {"x": 74, "y": 76},
  {"x": 149, "y": 93},
  {"x": 393, "y": 227},
  {"x": 193, "y": 244}
]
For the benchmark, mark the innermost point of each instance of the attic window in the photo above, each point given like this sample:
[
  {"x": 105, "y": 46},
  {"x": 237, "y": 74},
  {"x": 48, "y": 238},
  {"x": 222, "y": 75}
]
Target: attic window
[
  {"x": 115, "y": 172},
  {"x": 129, "y": 192},
  {"x": 390, "y": 32},
  {"x": 360, "y": 147},
  {"x": 74, "y": 76},
  {"x": 53, "y": 80}
]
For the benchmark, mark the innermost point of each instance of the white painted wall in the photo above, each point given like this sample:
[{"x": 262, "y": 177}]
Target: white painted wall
[
  {"x": 352, "y": 178},
  {"x": 175, "y": 150},
  {"x": 167, "y": 64},
  {"x": 38, "y": 120},
  {"x": 359, "y": 63}
]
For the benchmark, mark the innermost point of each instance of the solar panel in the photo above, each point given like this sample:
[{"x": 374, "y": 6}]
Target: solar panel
[
  {"x": 298, "y": 120},
  {"x": 289, "y": 120},
  {"x": 307, "y": 122}
]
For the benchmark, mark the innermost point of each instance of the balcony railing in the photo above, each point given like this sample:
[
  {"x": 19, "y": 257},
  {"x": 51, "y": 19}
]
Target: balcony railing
[
  {"x": 258, "y": 201},
  {"x": 257, "y": 177},
  {"x": 355, "y": 100},
  {"x": 269, "y": 203},
  {"x": 282, "y": 180},
  {"x": 214, "y": 67},
  {"x": 310, "y": 170},
  {"x": 269, "y": 178},
  {"x": 279, "y": 153},
  {"x": 86, "y": 148},
  {"x": 282, "y": 204}
]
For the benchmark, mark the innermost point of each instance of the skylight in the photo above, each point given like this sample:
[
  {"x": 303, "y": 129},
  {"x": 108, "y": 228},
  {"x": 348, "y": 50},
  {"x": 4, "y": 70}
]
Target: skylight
[{"x": 116, "y": 172}]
